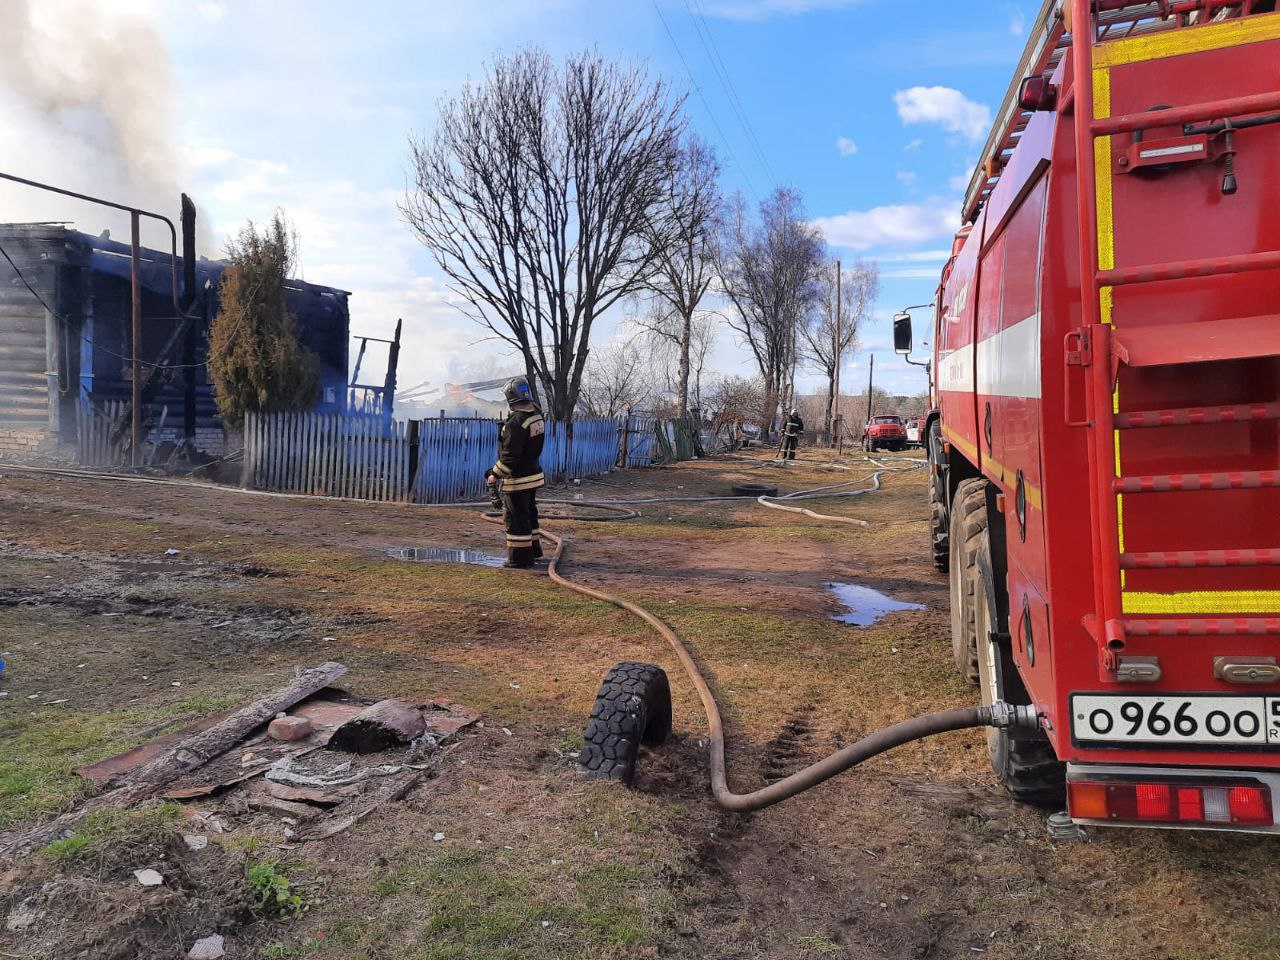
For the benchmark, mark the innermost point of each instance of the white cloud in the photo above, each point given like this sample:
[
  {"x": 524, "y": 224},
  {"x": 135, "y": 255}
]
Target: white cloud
[
  {"x": 915, "y": 144},
  {"x": 212, "y": 10},
  {"x": 944, "y": 106},
  {"x": 959, "y": 183},
  {"x": 907, "y": 177},
  {"x": 917, "y": 256},
  {"x": 896, "y": 225},
  {"x": 766, "y": 9},
  {"x": 1017, "y": 24},
  {"x": 846, "y": 146}
]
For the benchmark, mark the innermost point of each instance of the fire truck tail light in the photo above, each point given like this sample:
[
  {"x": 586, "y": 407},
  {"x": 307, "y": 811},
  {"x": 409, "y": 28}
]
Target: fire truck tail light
[
  {"x": 1216, "y": 809},
  {"x": 1170, "y": 803},
  {"x": 1089, "y": 801},
  {"x": 1190, "y": 804},
  {"x": 1153, "y": 801},
  {"x": 1249, "y": 805}
]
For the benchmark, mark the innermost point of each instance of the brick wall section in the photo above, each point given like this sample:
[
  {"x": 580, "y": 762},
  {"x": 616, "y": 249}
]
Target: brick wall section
[{"x": 15, "y": 442}]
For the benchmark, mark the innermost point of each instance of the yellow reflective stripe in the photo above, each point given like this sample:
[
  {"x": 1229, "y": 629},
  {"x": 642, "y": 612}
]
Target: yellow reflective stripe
[
  {"x": 523, "y": 483},
  {"x": 501, "y": 469},
  {"x": 1193, "y": 602},
  {"x": 519, "y": 538},
  {"x": 1010, "y": 477},
  {"x": 531, "y": 421},
  {"x": 1199, "y": 39},
  {"x": 959, "y": 441},
  {"x": 1105, "y": 208}
]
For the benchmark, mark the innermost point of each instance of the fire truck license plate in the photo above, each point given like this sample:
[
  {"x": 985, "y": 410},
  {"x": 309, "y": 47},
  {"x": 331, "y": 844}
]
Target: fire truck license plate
[{"x": 1120, "y": 720}]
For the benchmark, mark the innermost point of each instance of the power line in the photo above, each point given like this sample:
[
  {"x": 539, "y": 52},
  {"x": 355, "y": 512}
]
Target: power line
[
  {"x": 701, "y": 96},
  {"x": 701, "y": 27}
]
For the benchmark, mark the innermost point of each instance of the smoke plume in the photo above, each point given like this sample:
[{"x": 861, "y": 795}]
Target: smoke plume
[{"x": 87, "y": 102}]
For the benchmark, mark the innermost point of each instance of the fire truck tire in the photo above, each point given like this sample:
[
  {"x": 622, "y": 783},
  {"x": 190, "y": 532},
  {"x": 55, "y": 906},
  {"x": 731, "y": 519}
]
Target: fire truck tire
[
  {"x": 939, "y": 521},
  {"x": 968, "y": 531},
  {"x": 632, "y": 708},
  {"x": 1025, "y": 766}
]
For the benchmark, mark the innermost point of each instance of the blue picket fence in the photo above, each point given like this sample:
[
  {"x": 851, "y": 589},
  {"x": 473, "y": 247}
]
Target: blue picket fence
[
  {"x": 452, "y": 460},
  {"x": 368, "y": 458}
]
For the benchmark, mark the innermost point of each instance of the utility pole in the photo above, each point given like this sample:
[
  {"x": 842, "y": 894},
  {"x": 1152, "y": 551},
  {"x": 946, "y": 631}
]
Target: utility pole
[
  {"x": 135, "y": 340},
  {"x": 835, "y": 388},
  {"x": 870, "y": 380}
]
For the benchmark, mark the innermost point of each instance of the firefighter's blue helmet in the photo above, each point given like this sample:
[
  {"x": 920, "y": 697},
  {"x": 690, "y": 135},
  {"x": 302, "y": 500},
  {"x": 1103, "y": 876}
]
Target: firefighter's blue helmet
[{"x": 516, "y": 390}]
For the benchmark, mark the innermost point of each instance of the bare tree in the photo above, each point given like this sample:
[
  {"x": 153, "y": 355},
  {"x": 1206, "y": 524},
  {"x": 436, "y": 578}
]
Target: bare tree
[
  {"x": 769, "y": 270},
  {"x": 541, "y": 196},
  {"x": 858, "y": 288},
  {"x": 683, "y": 239},
  {"x": 733, "y": 400},
  {"x": 616, "y": 377},
  {"x": 677, "y": 352}
]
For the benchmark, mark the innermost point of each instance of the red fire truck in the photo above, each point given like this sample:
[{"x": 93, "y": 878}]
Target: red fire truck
[{"x": 1105, "y": 435}]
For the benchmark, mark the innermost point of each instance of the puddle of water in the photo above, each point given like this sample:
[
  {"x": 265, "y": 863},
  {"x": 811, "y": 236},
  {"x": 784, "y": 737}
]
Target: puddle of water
[
  {"x": 866, "y": 606},
  {"x": 445, "y": 555}
]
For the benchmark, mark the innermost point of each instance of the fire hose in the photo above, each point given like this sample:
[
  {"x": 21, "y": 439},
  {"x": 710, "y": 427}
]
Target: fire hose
[{"x": 998, "y": 714}]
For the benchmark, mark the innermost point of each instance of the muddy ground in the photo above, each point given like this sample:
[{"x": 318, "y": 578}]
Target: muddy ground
[{"x": 918, "y": 855}]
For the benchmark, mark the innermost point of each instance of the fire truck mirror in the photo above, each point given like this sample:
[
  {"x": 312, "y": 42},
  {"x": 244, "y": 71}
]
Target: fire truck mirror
[{"x": 902, "y": 333}]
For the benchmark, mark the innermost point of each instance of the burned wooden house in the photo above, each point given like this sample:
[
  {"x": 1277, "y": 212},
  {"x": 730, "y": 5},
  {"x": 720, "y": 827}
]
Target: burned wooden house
[{"x": 65, "y": 339}]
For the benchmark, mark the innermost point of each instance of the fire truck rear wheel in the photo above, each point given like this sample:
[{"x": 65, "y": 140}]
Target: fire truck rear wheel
[
  {"x": 968, "y": 529},
  {"x": 632, "y": 708},
  {"x": 1025, "y": 766}
]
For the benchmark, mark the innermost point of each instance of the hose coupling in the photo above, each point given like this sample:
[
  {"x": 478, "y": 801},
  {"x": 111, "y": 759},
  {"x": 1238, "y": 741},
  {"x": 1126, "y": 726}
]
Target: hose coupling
[{"x": 1013, "y": 717}]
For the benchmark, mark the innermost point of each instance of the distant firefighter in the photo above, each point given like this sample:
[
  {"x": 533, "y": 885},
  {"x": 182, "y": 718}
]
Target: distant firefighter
[
  {"x": 518, "y": 473},
  {"x": 791, "y": 431}
]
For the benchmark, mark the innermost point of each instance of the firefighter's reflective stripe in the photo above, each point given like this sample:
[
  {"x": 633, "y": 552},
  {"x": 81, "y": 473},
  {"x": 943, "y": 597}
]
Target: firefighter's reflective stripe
[
  {"x": 501, "y": 469},
  {"x": 534, "y": 425},
  {"x": 531, "y": 482},
  {"x": 519, "y": 540}
]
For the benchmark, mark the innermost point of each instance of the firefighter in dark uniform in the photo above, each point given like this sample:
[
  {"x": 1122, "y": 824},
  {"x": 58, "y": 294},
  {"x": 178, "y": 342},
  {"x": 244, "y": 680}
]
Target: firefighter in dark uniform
[
  {"x": 518, "y": 473},
  {"x": 791, "y": 431}
]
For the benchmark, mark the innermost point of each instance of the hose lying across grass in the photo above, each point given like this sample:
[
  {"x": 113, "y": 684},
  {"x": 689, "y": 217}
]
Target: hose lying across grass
[{"x": 998, "y": 714}]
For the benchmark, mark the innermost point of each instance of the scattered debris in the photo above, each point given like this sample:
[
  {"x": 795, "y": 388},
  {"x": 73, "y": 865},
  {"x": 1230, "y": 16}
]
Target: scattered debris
[
  {"x": 194, "y": 751},
  {"x": 207, "y": 948},
  {"x": 148, "y": 878},
  {"x": 437, "y": 837},
  {"x": 172, "y": 552},
  {"x": 324, "y": 798},
  {"x": 289, "y": 728},
  {"x": 262, "y": 800},
  {"x": 22, "y": 916},
  {"x": 380, "y": 727},
  {"x": 282, "y": 772},
  {"x": 195, "y": 841}
]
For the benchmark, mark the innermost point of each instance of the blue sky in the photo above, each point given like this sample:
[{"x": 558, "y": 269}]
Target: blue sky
[{"x": 875, "y": 110}]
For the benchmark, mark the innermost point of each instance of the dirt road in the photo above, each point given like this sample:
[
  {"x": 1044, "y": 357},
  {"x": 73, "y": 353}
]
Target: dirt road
[{"x": 919, "y": 855}]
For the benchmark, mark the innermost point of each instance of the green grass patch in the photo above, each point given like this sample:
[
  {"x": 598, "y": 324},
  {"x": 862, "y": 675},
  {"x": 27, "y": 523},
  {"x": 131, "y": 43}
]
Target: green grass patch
[
  {"x": 41, "y": 751},
  {"x": 98, "y": 842}
]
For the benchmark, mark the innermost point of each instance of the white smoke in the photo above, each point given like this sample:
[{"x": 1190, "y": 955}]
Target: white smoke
[{"x": 87, "y": 102}]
